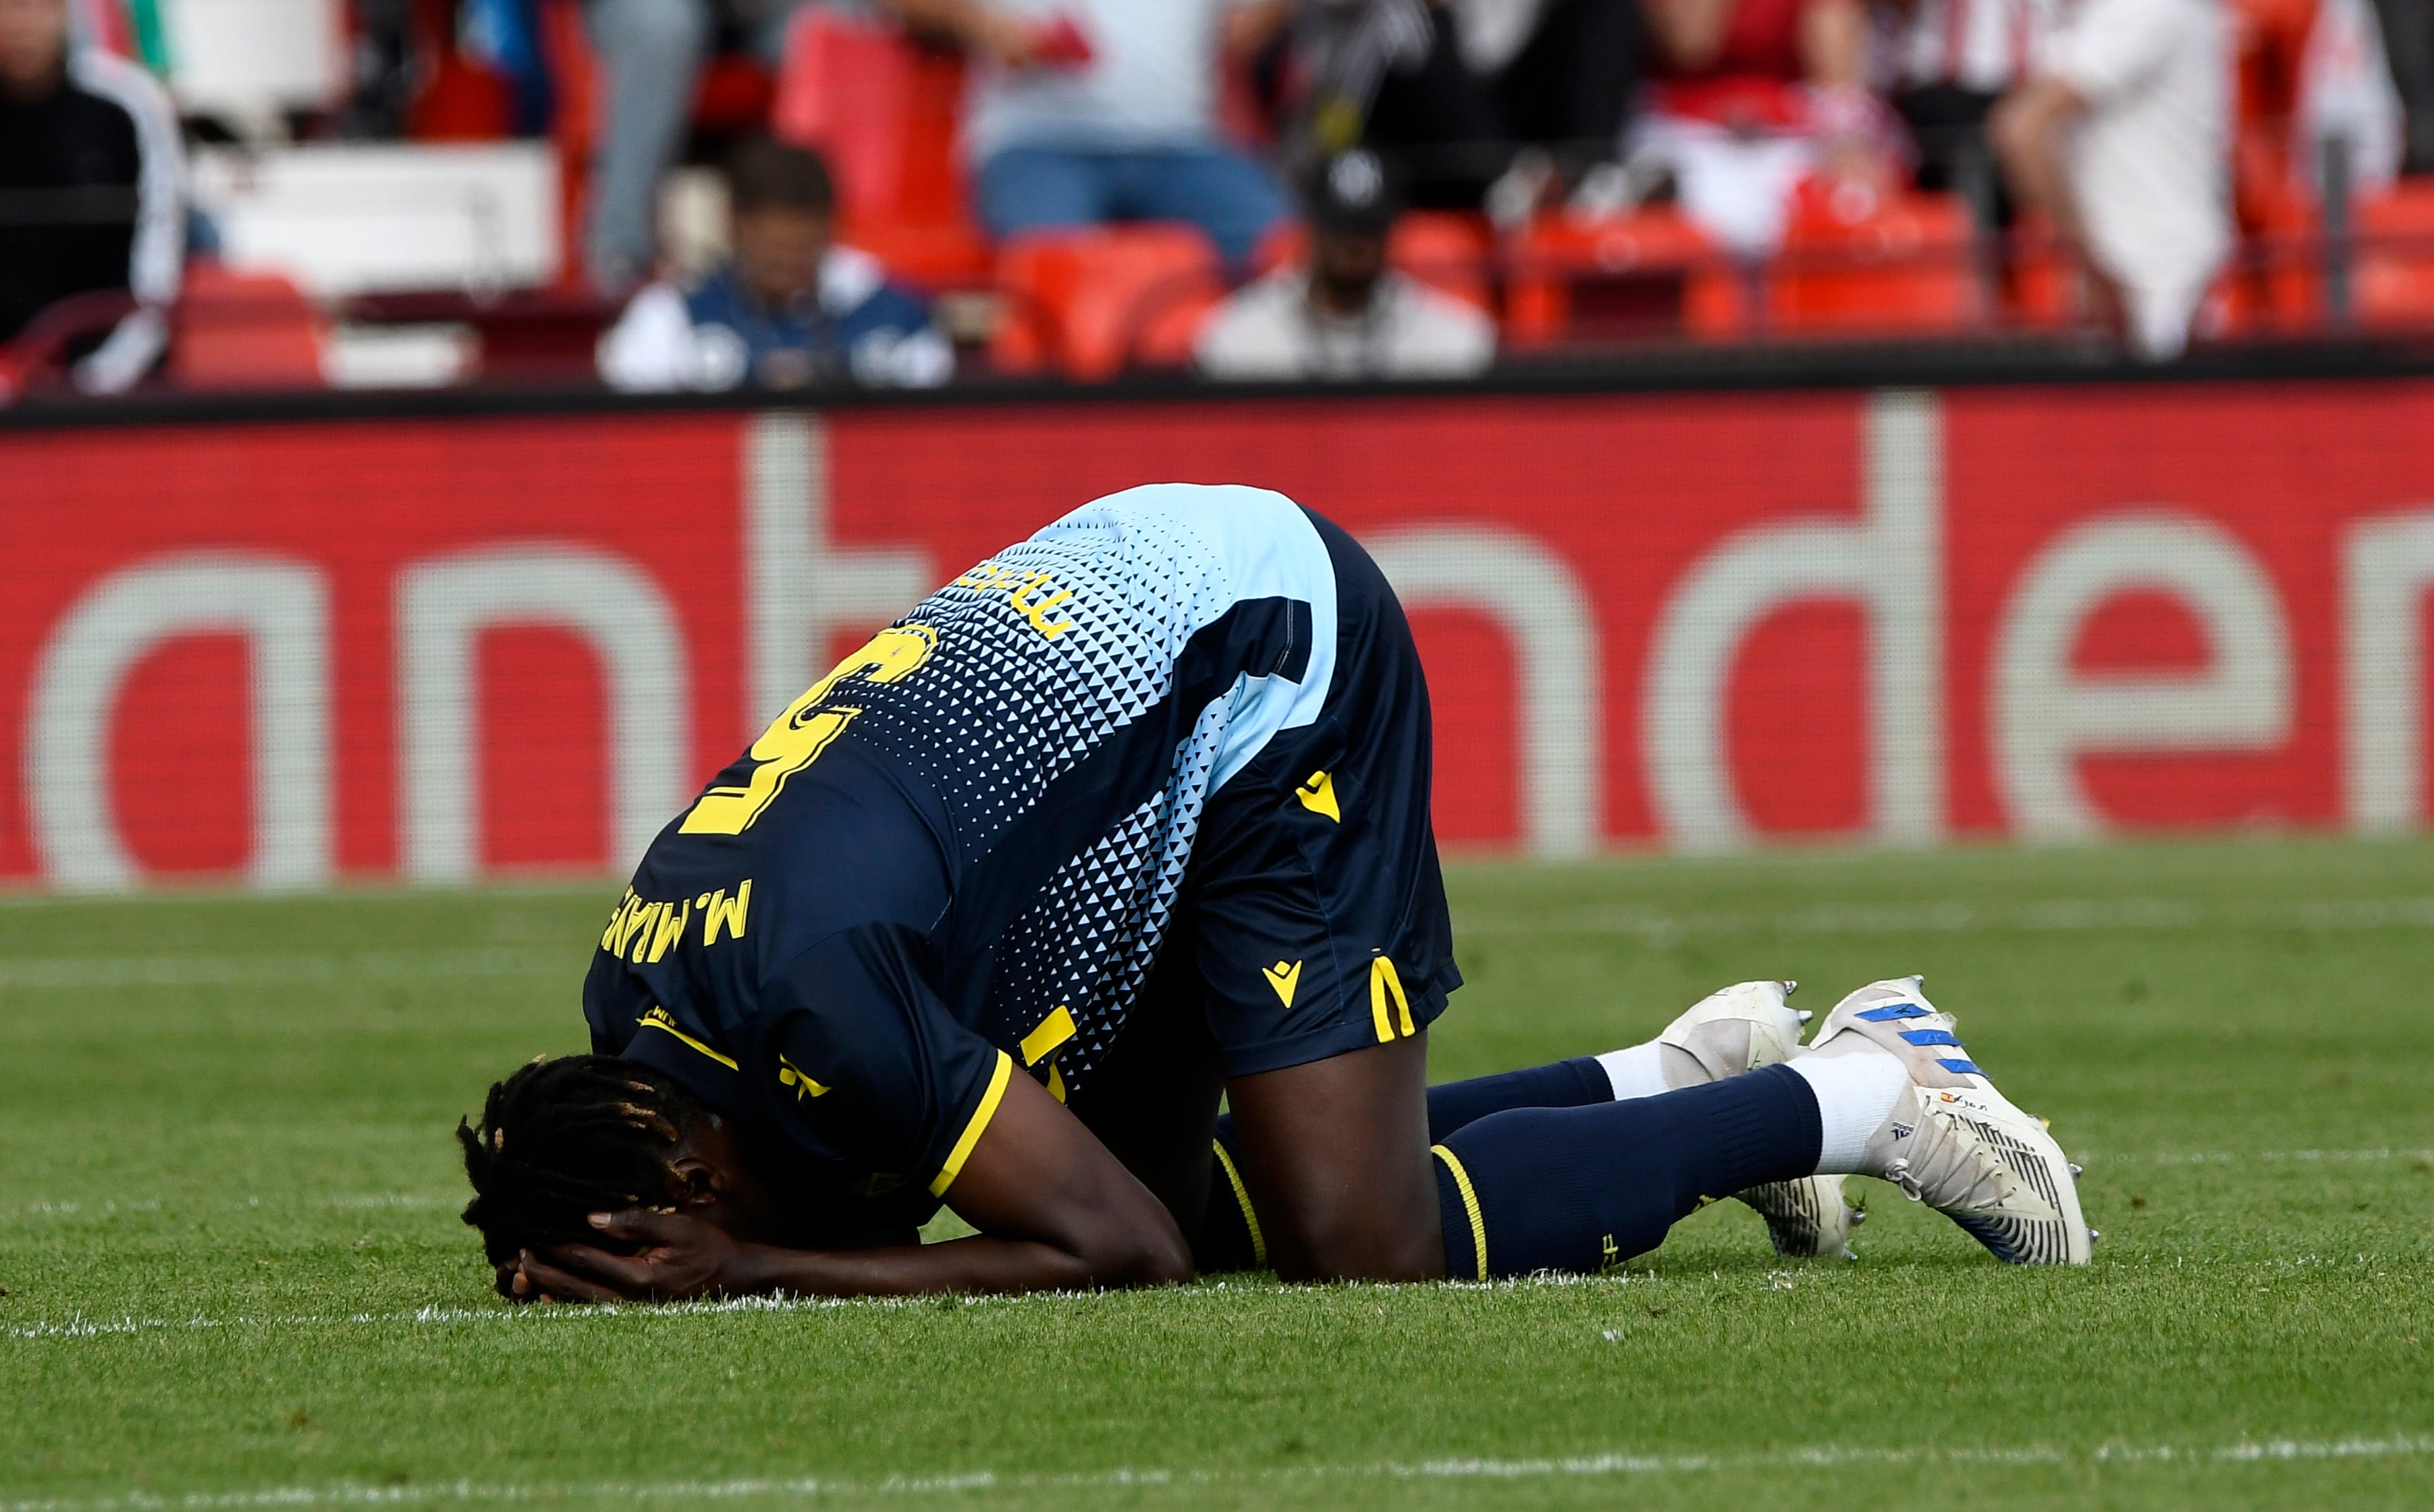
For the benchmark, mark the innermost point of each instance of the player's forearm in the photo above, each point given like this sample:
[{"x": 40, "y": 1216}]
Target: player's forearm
[{"x": 979, "y": 1264}]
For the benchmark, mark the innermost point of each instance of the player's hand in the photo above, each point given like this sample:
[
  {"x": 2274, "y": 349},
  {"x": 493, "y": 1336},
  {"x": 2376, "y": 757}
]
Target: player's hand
[{"x": 673, "y": 1257}]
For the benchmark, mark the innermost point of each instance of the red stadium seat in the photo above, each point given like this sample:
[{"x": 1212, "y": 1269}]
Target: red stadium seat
[
  {"x": 243, "y": 331},
  {"x": 1856, "y": 263},
  {"x": 1650, "y": 271},
  {"x": 2392, "y": 280},
  {"x": 885, "y": 113},
  {"x": 1092, "y": 301}
]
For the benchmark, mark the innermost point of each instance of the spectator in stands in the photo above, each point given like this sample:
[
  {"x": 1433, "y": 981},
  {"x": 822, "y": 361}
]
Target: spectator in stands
[
  {"x": 792, "y": 308},
  {"x": 1751, "y": 98},
  {"x": 1085, "y": 112},
  {"x": 1347, "y": 315},
  {"x": 650, "y": 55},
  {"x": 2121, "y": 139},
  {"x": 91, "y": 191},
  {"x": 2408, "y": 49},
  {"x": 1447, "y": 94},
  {"x": 1946, "y": 63}
]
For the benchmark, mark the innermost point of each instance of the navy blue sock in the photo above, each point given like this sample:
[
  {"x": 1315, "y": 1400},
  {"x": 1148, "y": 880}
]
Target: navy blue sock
[
  {"x": 1574, "y": 1082},
  {"x": 1582, "y": 1189},
  {"x": 1229, "y": 1238}
]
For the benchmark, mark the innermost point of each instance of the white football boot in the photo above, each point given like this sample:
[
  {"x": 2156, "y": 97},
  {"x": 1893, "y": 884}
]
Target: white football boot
[
  {"x": 1953, "y": 1141},
  {"x": 1739, "y": 1029}
]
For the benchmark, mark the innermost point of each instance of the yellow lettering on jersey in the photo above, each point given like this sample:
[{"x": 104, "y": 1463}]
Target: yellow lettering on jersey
[
  {"x": 1030, "y": 603},
  {"x": 660, "y": 1019},
  {"x": 790, "y": 1074},
  {"x": 795, "y": 738},
  {"x": 1318, "y": 796},
  {"x": 670, "y": 929},
  {"x": 1027, "y": 594},
  {"x": 1284, "y": 977},
  {"x": 1055, "y": 1081},
  {"x": 1050, "y": 1036},
  {"x": 612, "y": 939},
  {"x": 643, "y": 922},
  {"x": 1385, "y": 986},
  {"x": 720, "y": 912},
  {"x": 987, "y": 576},
  {"x": 1610, "y": 1256}
]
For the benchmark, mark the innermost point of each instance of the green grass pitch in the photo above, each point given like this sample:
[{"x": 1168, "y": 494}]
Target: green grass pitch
[{"x": 235, "y": 1278}]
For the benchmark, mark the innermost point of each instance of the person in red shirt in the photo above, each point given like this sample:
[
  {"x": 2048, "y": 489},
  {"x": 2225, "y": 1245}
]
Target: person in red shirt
[{"x": 1750, "y": 97}]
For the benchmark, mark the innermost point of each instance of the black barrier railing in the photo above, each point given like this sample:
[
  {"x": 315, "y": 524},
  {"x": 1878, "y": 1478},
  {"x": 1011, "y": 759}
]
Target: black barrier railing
[{"x": 2060, "y": 359}]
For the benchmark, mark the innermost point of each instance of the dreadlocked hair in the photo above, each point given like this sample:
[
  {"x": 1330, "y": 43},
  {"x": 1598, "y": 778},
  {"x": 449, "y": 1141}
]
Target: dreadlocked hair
[{"x": 561, "y": 1139}]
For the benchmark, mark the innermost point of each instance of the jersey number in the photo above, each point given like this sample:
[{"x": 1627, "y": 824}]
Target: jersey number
[{"x": 795, "y": 738}]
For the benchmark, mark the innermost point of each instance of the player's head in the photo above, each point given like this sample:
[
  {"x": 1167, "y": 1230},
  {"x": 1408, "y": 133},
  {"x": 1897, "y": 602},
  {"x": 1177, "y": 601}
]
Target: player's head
[
  {"x": 782, "y": 213},
  {"x": 561, "y": 1139}
]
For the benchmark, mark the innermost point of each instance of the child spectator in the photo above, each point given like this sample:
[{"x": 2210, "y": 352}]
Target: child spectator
[
  {"x": 1347, "y": 315},
  {"x": 791, "y": 308},
  {"x": 90, "y": 190},
  {"x": 2121, "y": 139}
]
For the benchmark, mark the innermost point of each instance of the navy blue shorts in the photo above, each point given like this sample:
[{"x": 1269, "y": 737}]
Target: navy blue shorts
[{"x": 1315, "y": 909}]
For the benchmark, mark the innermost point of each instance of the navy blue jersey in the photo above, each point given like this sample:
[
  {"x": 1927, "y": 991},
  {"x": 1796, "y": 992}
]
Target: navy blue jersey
[{"x": 954, "y": 859}]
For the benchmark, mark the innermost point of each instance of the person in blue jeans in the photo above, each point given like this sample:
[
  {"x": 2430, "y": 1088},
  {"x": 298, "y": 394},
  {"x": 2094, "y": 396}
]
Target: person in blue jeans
[{"x": 1086, "y": 112}]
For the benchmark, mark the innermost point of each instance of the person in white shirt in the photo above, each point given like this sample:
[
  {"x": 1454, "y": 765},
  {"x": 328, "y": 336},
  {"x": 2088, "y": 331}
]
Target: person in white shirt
[
  {"x": 1085, "y": 112},
  {"x": 1347, "y": 315},
  {"x": 2121, "y": 138}
]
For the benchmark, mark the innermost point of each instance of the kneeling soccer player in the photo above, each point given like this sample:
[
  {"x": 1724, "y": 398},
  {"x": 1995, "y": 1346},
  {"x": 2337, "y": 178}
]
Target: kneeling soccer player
[{"x": 1131, "y": 815}]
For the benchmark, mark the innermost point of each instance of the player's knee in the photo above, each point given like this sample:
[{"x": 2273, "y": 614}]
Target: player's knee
[
  {"x": 1149, "y": 1257},
  {"x": 1139, "y": 1247},
  {"x": 1359, "y": 1243}
]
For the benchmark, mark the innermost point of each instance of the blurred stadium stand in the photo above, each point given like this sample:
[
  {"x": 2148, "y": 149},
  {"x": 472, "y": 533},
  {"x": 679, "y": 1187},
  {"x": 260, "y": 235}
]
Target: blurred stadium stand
[{"x": 450, "y": 256}]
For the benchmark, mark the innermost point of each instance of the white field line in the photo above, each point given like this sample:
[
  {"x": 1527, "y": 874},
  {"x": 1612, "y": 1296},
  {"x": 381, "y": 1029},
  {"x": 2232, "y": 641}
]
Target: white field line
[
  {"x": 2243, "y": 1453},
  {"x": 1214, "y": 1293},
  {"x": 421, "y": 1201},
  {"x": 2266, "y": 1157},
  {"x": 2063, "y": 914},
  {"x": 1654, "y": 926},
  {"x": 65, "y": 973},
  {"x": 85, "y": 1328}
]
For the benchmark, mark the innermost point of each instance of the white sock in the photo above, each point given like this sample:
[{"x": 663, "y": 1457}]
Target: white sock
[
  {"x": 1856, "y": 1093},
  {"x": 1644, "y": 1071},
  {"x": 1635, "y": 1071}
]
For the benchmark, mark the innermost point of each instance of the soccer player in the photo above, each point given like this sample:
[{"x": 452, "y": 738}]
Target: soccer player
[{"x": 1129, "y": 817}]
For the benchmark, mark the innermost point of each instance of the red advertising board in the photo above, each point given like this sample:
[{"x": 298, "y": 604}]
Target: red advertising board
[{"x": 435, "y": 649}]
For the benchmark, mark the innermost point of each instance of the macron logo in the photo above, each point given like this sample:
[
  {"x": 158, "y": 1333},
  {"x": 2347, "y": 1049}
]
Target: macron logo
[{"x": 1284, "y": 977}]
